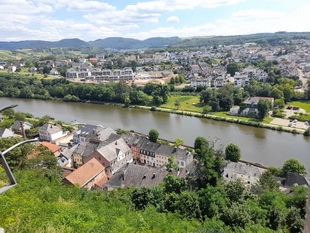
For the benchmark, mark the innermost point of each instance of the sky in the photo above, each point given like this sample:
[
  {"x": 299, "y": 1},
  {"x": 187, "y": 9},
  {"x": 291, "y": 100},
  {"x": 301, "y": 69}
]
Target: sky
[{"x": 89, "y": 20}]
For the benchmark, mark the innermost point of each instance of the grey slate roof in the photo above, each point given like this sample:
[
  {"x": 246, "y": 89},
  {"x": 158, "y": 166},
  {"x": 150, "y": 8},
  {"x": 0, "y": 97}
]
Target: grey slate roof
[
  {"x": 157, "y": 148},
  {"x": 16, "y": 126},
  {"x": 134, "y": 140},
  {"x": 294, "y": 178},
  {"x": 101, "y": 134},
  {"x": 241, "y": 168},
  {"x": 111, "y": 148},
  {"x": 138, "y": 176},
  {"x": 51, "y": 128},
  {"x": 2, "y": 131}
]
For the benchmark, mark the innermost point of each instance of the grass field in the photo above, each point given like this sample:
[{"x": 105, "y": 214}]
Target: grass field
[
  {"x": 304, "y": 104},
  {"x": 224, "y": 114},
  {"x": 187, "y": 103}
]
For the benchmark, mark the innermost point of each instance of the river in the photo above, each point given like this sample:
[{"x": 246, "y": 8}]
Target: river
[{"x": 268, "y": 147}]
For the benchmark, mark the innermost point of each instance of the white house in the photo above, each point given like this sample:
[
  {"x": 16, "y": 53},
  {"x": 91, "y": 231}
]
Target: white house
[
  {"x": 12, "y": 69},
  {"x": 5, "y": 133},
  {"x": 54, "y": 72},
  {"x": 49, "y": 132},
  {"x": 234, "y": 110}
]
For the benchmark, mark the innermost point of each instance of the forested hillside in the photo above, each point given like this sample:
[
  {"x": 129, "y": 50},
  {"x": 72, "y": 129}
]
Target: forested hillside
[{"x": 202, "y": 202}]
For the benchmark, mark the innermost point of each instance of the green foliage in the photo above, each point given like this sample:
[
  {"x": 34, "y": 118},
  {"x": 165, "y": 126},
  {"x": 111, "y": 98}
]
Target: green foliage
[
  {"x": 172, "y": 165},
  {"x": 267, "y": 181},
  {"x": 173, "y": 183},
  {"x": 263, "y": 107},
  {"x": 232, "y": 68},
  {"x": 17, "y": 157},
  {"x": 232, "y": 153},
  {"x": 199, "y": 144},
  {"x": 178, "y": 142},
  {"x": 153, "y": 135},
  {"x": 234, "y": 190},
  {"x": 293, "y": 165},
  {"x": 307, "y": 132}
]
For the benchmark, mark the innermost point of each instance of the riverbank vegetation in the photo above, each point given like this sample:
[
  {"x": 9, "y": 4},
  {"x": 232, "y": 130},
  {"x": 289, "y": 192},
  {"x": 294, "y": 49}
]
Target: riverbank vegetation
[
  {"x": 209, "y": 102},
  {"x": 201, "y": 202}
]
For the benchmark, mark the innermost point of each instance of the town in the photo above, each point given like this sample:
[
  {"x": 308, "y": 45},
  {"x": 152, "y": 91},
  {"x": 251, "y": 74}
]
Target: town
[{"x": 252, "y": 84}]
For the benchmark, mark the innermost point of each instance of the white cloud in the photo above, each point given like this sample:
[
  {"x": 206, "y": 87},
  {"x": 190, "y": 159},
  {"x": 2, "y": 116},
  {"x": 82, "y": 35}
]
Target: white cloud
[
  {"x": 200, "y": 30},
  {"x": 81, "y": 5},
  {"x": 186, "y": 4},
  {"x": 173, "y": 19}
]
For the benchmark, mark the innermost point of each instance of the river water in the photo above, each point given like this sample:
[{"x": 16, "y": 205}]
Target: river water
[{"x": 268, "y": 147}]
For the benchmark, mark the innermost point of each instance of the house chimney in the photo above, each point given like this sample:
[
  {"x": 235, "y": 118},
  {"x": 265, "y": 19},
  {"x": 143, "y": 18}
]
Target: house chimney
[{"x": 23, "y": 129}]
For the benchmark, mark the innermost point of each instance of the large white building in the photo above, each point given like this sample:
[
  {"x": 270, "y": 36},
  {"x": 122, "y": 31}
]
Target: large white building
[{"x": 99, "y": 75}]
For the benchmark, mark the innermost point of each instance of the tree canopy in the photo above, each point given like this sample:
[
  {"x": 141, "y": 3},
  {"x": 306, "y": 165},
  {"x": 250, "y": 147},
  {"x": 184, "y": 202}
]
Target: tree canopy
[
  {"x": 153, "y": 135},
  {"x": 232, "y": 153}
]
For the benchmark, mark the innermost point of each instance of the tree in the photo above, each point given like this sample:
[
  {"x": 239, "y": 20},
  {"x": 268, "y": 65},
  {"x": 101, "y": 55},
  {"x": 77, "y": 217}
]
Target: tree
[
  {"x": 232, "y": 68},
  {"x": 153, "y": 135},
  {"x": 173, "y": 183},
  {"x": 171, "y": 165},
  {"x": 45, "y": 119},
  {"x": 199, "y": 143},
  {"x": 19, "y": 116},
  {"x": 232, "y": 153},
  {"x": 293, "y": 165},
  {"x": 178, "y": 142},
  {"x": 263, "y": 107},
  {"x": 267, "y": 181},
  {"x": 177, "y": 104},
  {"x": 234, "y": 190}
]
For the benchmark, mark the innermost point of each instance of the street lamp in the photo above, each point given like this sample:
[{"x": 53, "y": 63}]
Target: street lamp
[{"x": 6, "y": 166}]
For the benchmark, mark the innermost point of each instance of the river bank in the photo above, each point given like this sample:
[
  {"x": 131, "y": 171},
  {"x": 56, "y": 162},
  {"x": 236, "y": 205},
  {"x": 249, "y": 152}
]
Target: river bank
[
  {"x": 278, "y": 127},
  {"x": 268, "y": 147}
]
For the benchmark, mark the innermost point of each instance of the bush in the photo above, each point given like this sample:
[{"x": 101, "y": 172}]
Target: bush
[{"x": 307, "y": 132}]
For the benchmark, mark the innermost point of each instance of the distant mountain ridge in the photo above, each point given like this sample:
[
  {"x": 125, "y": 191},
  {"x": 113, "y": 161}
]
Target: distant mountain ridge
[
  {"x": 37, "y": 44},
  {"x": 121, "y": 43},
  {"x": 110, "y": 42}
]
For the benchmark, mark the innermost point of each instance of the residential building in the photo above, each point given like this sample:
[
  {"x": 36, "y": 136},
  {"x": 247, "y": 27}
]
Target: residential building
[
  {"x": 206, "y": 82},
  {"x": 52, "y": 147},
  {"x": 17, "y": 126},
  {"x": 54, "y": 72},
  {"x": 248, "y": 174},
  {"x": 92, "y": 132},
  {"x": 139, "y": 176},
  {"x": 156, "y": 154},
  {"x": 49, "y": 132},
  {"x": 251, "y": 105},
  {"x": 88, "y": 175},
  {"x": 11, "y": 69},
  {"x": 5, "y": 133},
  {"x": 113, "y": 154},
  {"x": 96, "y": 74}
]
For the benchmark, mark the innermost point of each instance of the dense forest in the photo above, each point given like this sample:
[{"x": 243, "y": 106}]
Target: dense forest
[
  {"x": 119, "y": 43},
  {"x": 260, "y": 38},
  {"x": 202, "y": 202}
]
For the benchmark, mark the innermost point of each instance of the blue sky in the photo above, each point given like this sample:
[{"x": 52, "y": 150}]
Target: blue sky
[{"x": 96, "y": 19}]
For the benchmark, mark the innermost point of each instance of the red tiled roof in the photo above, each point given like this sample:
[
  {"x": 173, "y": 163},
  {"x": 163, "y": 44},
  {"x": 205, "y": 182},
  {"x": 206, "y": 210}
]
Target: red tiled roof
[
  {"x": 52, "y": 147},
  {"x": 85, "y": 173},
  {"x": 102, "y": 181}
]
